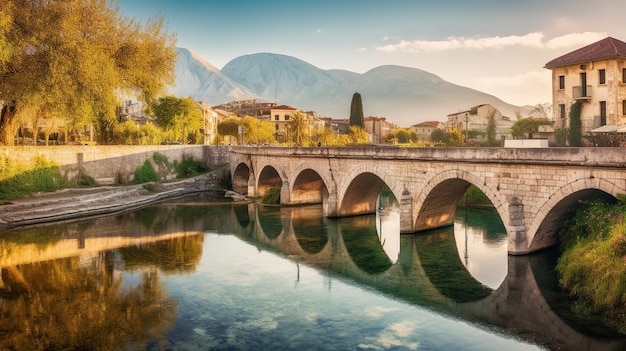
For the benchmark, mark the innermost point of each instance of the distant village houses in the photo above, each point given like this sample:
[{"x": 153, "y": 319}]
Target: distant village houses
[
  {"x": 424, "y": 130},
  {"x": 477, "y": 119}
]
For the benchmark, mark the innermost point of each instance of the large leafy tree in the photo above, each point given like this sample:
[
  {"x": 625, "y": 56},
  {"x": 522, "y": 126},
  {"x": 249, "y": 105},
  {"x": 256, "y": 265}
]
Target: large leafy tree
[
  {"x": 180, "y": 118},
  {"x": 357, "y": 118},
  {"x": 77, "y": 58}
]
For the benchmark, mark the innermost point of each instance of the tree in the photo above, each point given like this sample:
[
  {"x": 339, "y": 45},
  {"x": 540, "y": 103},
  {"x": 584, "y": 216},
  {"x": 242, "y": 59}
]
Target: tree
[
  {"x": 522, "y": 127},
  {"x": 180, "y": 118},
  {"x": 575, "y": 134},
  {"x": 76, "y": 58},
  {"x": 357, "y": 118},
  {"x": 357, "y": 135},
  {"x": 439, "y": 136},
  {"x": 298, "y": 126},
  {"x": 492, "y": 129}
]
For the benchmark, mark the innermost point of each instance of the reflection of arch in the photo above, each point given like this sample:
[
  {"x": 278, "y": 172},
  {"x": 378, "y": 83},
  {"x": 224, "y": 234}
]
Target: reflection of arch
[
  {"x": 270, "y": 221},
  {"x": 309, "y": 229},
  {"x": 308, "y": 188},
  {"x": 361, "y": 241},
  {"x": 562, "y": 205},
  {"x": 241, "y": 175},
  {"x": 441, "y": 196},
  {"x": 268, "y": 179},
  {"x": 242, "y": 215},
  {"x": 443, "y": 267},
  {"x": 361, "y": 195}
]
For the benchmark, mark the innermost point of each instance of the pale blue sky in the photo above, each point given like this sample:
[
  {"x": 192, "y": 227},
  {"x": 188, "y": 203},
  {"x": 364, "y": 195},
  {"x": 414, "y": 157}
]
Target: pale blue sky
[{"x": 496, "y": 46}]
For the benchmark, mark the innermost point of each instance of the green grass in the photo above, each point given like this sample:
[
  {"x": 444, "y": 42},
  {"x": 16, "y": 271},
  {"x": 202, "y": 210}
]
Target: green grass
[{"x": 592, "y": 266}]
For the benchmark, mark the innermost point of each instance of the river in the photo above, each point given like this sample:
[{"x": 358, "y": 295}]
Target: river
[{"x": 203, "y": 274}]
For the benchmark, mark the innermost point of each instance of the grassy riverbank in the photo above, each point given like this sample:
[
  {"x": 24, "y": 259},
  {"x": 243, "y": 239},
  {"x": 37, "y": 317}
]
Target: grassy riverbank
[{"x": 592, "y": 266}]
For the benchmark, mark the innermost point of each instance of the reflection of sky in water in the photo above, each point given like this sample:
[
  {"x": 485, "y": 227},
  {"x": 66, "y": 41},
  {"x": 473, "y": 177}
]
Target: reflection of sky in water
[
  {"x": 242, "y": 298},
  {"x": 388, "y": 229},
  {"x": 485, "y": 260}
]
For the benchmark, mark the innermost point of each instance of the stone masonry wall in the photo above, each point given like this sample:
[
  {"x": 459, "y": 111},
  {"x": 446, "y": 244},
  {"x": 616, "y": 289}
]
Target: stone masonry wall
[{"x": 110, "y": 164}]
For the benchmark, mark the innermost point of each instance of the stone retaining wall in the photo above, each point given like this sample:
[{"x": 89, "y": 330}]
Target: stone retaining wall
[{"x": 111, "y": 164}]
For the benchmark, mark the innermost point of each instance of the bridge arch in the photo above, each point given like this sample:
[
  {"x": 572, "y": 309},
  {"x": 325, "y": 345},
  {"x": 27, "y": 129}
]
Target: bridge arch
[
  {"x": 241, "y": 178},
  {"x": 437, "y": 202},
  {"x": 268, "y": 179},
  {"x": 308, "y": 187},
  {"x": 562, "y": 205},
  {"x": 359, "y": 193}
]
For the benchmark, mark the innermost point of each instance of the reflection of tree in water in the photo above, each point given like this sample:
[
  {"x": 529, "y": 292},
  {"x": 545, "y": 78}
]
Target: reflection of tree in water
[
  {"x": 486, "y": 219},
  {"x": 178, "y": 255},
  {"x": 441, "y": 263},
  {"x": 361, "y": 240},
  {"x": 69, "y": 305}
]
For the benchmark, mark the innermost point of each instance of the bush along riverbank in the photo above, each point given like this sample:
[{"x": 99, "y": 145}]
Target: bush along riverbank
[{"x": 592, "y": 266}]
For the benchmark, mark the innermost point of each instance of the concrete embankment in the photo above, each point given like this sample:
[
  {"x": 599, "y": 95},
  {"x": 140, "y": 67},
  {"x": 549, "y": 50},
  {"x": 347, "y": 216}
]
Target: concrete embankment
[{"x": 73, "y": 204}]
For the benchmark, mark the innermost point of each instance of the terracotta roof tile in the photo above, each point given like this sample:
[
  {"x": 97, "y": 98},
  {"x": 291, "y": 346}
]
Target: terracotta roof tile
[{"x": 605, "y": 49}]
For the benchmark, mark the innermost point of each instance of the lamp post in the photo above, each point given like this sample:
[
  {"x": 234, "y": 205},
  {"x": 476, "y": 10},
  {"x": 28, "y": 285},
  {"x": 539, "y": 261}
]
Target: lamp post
[{"x": 466, "y": 123}]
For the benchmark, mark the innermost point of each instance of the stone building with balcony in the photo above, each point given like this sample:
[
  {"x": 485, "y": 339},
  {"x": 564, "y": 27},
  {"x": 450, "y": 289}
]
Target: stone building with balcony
[
  {"x": 475, "y": 122},
  {"x": 595, "y": 75}
]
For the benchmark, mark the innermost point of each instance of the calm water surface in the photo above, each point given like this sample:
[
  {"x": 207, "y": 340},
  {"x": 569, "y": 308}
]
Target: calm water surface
[{"x": 207, "y": 276}]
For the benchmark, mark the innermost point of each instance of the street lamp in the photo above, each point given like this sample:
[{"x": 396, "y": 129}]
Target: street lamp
[{"x": 466, "y": 123}]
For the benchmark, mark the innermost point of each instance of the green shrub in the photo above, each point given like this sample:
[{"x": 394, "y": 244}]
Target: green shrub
[
  {"x": 189, "y": 167},
  {"x": 19, "y": 180},
  {"x": 160, "y": 159},
  {"x": 145, "y": 173},
  {"x": 272, "y": 196}
]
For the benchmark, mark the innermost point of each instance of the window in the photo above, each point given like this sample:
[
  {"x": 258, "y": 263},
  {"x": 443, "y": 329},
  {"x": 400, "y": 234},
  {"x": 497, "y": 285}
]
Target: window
[
  {"x": 602, "y": 76},
  {"x": 602, "y": 113},
  {"x": 624, "y": 75},
  {"x": 286, "y": 117},
  {"x": 561, "y": 82},
  {"x": 276, "y": 117},
  {"x": 624, "y": 107},
  {"x": 562, "y": 110}
]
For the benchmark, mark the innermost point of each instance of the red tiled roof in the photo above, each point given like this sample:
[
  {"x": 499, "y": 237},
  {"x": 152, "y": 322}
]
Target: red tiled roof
[
  {"x": 605, "y": 49},
  {"x": 283, "y": 107}
]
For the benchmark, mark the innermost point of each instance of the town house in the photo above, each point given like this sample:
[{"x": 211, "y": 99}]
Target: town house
[{"x": 595, "y": 75}]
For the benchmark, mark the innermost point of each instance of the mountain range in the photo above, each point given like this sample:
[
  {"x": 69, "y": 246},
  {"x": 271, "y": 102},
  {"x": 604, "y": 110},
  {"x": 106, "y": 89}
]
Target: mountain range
[{"x": 403, "y": 95}]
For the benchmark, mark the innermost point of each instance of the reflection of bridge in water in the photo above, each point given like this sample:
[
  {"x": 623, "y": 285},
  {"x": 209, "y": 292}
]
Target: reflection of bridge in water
[
  {"x": 427, "y": 273},
  {"x": 432, "y": 277}
]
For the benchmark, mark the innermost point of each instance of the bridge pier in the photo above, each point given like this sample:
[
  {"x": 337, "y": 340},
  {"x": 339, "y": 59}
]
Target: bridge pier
[
  {"x": 407, "y": 224},
  {"x": 518, "y": 243}
]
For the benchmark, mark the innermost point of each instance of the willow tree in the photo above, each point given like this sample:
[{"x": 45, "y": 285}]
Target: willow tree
[{"x": 78, "y": 58}]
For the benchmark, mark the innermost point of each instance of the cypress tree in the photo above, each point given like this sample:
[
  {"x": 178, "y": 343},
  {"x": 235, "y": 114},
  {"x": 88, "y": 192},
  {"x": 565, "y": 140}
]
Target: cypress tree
[
  {"x": 575, "y": 134},
  {"x": 356, "y": 111}
]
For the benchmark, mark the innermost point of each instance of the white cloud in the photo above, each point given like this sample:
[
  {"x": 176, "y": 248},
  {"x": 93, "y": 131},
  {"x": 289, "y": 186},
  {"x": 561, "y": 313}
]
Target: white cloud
[
  {"x": 575, "y": 39},
  {"x": 529, "y": 88},
  {"x": 531, "y": 40}
]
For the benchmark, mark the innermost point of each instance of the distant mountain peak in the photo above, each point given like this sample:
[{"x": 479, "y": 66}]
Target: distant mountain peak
[{"x": 403, "y": 95}]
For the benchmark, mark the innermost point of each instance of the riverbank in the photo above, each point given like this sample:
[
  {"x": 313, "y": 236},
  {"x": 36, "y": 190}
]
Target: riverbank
[{"x": 79, "y": 203}]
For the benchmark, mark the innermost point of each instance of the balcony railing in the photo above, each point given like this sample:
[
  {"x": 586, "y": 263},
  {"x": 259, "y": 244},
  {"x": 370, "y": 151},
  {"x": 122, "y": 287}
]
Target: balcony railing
[{"x": 581, "y": 92}]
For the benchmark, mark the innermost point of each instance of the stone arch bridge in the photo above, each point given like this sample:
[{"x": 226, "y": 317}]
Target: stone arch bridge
[{"x": 533, "y": 190}]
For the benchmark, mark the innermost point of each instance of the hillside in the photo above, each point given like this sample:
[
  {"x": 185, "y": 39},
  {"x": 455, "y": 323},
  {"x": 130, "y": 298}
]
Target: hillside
[{"x": 401, "y": 94}]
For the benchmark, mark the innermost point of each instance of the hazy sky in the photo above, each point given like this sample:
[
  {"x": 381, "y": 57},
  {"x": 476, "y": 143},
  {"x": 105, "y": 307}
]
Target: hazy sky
[{"x": 495, "y": 46}]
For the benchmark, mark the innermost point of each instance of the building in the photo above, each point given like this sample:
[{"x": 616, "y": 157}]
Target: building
[
  {"x": 281, "y": 116},
  {"x": 477, "y": 119},
  {"x": 595, "y": 75},
  {"x": 423, "y": 130},
  {"x": 251, "y": 107},
  {"x": 210, "y": 118},
  {"x": 378, "y": 128}
]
